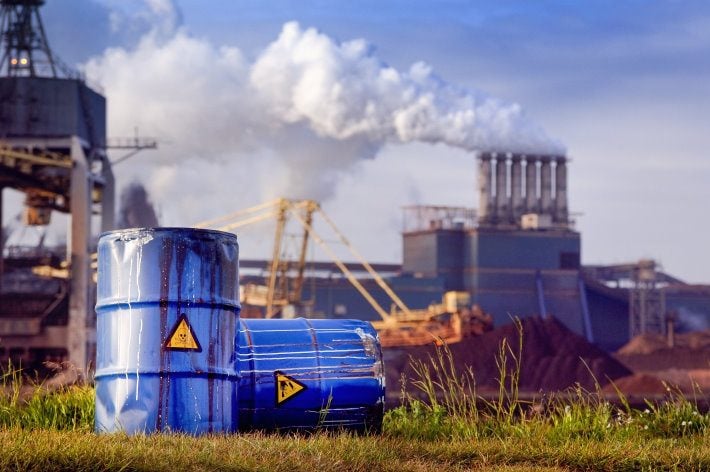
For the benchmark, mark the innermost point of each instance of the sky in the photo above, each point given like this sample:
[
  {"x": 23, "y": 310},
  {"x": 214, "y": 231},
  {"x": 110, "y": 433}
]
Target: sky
[{"x": 239, "y": 94}]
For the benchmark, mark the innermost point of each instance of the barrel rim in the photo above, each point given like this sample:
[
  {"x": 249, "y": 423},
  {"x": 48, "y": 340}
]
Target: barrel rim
[{"x": 168, "y": 229}]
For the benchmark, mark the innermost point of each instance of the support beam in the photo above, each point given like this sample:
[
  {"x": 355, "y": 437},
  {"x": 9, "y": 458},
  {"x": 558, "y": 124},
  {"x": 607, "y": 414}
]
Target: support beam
[
  {"x": 108, "y": 198},
  {"x": 80, "y": 229}
]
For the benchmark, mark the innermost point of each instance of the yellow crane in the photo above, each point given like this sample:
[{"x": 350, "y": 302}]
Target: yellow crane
[
  {"x": 303, "y": 212},
  {"x": 401, "y": 325}
]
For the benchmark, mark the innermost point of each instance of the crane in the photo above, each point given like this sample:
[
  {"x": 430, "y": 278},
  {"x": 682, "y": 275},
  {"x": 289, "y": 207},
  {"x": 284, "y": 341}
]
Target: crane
[
  {"x": 400, "y": 326},
  {"x": 302, "y": 211}
]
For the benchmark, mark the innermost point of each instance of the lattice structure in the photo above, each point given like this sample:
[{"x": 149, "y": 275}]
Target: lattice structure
[
  {"x": 26, "y": 52},
  {"x": 647, "y": 303}
]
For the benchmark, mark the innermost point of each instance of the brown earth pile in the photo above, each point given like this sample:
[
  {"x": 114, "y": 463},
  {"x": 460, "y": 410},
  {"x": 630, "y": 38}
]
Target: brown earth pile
[
  {"x": 650, "y": 352},
  {"x": 651, "y": 343},
  {"x": 637, "y": 384},
  {"x": 643, "y": 344},
  {"x": 684, "y": 367},
  {"x": 553, "y": 358}
]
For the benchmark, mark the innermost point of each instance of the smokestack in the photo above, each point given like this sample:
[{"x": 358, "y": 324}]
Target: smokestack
[
  {"x": 485, "y": 187},
  {"x": 501, "y": 188},
  {"x": 546, "y": 186},
  {"x": 516, "y": 187},
  {"x": 136, "y": 208},
  {"x": 531, "y": 201},
  {"x": 561, "y": 212}
]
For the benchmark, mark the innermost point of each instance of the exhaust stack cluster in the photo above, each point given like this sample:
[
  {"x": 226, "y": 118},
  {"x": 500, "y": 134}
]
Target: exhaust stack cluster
[{"x": 543, "y": 191}]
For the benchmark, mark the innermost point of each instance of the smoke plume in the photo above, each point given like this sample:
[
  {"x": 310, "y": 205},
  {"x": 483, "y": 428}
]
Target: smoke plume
[
  {"x": 344, "y": 91},
  {"x": 136, "y": 210},
  {"x": 689, "y": 320},
  {"x": 307, "y": 108}
]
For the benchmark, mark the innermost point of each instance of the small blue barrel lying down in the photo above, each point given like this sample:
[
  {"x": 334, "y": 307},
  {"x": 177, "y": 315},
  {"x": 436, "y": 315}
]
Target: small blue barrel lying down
[
  {"x": 300, "y": 374},
  {"x": 167, "y": 318}
]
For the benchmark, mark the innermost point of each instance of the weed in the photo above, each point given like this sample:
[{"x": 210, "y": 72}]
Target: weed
[{"x": 28, "y": 404}]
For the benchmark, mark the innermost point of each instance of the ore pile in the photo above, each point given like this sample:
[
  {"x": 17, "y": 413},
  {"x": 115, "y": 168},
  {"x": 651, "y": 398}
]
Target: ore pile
[
  {"x": 649, "y": 352},
  {"x": 553, "y": 358},
  {"x": 683, "y": 367}
]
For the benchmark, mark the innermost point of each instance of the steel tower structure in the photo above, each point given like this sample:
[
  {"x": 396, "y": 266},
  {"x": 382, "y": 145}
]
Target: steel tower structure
[{"x": 52, "y": 148}]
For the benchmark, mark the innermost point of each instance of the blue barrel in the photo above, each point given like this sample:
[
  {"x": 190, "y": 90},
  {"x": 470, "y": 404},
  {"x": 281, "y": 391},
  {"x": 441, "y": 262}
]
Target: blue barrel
[
  {"x": 167, "y": 319},
  {"x": 300, "y": 374}
]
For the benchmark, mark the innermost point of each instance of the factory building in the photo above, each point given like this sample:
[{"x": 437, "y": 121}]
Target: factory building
[
  {"x": 519, "y": 255},
  {"x": 52, "y": 148}
]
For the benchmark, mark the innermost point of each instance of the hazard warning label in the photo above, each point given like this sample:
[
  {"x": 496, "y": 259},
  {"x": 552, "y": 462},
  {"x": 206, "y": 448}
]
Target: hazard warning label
[
  {"x": 286, "y": 387},
  {"x": 182, "y": 337}
]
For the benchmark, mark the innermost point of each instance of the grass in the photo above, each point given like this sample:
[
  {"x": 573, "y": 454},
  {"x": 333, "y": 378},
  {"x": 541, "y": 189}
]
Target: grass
[
  {"x": 442, "y": 425},
  {"x": 29, "y": 405}
]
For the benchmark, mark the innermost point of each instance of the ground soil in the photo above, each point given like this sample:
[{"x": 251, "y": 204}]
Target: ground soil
[
  {"x": 685, "y": 367},
  {"x": 553, "y": 358}
]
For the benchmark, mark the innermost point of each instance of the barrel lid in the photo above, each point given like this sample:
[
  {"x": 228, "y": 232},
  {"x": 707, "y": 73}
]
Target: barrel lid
[{"x": 129, "y": 233}]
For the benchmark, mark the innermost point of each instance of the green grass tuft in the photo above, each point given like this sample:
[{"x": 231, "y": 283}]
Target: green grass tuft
[
  {"x": 29, "y": 405},
  {"x": 443, "y": 424}
]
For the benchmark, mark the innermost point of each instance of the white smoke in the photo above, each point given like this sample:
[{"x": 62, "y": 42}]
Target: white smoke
[
  {"x": 689, "y": 320},
  {"x": 344, "y": 91},
  {"x": 289, "y": 123}
]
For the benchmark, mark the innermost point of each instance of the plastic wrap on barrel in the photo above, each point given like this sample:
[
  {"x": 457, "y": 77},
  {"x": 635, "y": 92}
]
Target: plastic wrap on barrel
[
  {"x": 167, "y": 317},
  {"x": 331, "y": 373}
]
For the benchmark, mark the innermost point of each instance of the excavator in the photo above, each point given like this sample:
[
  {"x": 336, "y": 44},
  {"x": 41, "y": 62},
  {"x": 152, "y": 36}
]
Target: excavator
[{"x": 281, "y": 294}]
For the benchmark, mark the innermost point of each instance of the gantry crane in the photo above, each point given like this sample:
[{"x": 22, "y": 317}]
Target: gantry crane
[{"x": 400, "y": 326}]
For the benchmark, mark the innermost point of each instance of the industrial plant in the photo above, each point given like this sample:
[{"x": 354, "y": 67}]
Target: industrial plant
[{"x": 463, "y": 270}]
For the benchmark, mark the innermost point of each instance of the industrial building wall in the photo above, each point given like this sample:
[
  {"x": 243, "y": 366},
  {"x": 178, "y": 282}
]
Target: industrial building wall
[
  {"x": 691, "y": 305},
  {"x": 526, "y": 273},
  {"x": 609, "y": 310},
  {"x": 419, "y": 253},
  {"x": 505, "y": 293},
  {"x": 51, "y": 108},
  {"x": 538, "y": 250},
  {"x": 336, "y": 298},
  {"x": 563, "y": 299},
  {"x": 436, "y": 253}
]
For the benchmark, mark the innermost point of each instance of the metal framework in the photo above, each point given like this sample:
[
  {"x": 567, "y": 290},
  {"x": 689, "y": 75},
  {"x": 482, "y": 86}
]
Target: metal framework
[
  {"x": 303, "y": 212},
  {"x": 646, "y": 284},
  {"x": 647, "y": 301},
  {"x": 428, "y": 217},
  {"x": 57, "y": 170},
  {"x": 25, "y": 48}
]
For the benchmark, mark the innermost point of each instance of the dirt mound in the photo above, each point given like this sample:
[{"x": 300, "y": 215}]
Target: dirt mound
[
  {"x": 554, "y": 358},
  {"x": 689, "y": 380},
  {"x": 652, "y": 343},
  {"x": 637, "y": 385},
  {"x": 650, "y": 352},
  {"x": 643, "y": 344}
]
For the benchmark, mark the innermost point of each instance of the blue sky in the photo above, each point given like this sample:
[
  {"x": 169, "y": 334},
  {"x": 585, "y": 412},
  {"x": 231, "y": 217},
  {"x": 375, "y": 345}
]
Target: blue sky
[{"x": 625, "y": 85}]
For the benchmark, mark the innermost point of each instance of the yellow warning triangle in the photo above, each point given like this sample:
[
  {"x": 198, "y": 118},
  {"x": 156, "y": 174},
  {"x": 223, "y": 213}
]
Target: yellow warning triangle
[
  {"x": 182, "y": 338},
  {"x": 286, "y": 387}
]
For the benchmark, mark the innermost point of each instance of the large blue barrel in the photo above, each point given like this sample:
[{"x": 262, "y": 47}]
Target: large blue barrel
[
  {"x": 167, "y": 318},
  {"x": 300, "y": 374}
]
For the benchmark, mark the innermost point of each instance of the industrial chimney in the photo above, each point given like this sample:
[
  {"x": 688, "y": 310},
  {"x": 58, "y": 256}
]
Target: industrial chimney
[
  {"x": 485, "y": 189},
  {"x": 561, "y": 211},
  {"x": 516, "y": 190},
  {"x": 531, "y": 198},
  {"x": 501, "y": 188},
  {"x": 539, "y": 192}
]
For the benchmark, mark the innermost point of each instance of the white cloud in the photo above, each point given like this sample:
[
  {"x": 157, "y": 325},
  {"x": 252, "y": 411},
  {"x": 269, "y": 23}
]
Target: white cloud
[{"x": 291, "y": 123}]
